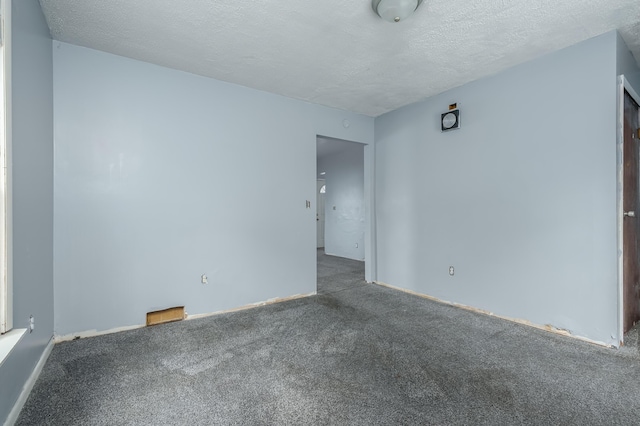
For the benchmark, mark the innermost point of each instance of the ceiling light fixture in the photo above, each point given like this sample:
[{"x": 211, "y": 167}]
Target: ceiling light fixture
[{"x": 395, "y": 10}]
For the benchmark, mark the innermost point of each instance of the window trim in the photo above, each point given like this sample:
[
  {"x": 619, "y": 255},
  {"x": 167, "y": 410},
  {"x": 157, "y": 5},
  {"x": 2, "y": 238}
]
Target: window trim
[
  {"x": 6, "y": 282},
  {"x": 9, "y": 341}
]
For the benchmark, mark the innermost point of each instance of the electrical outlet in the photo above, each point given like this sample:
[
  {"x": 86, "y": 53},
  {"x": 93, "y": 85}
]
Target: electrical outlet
[
  {"x": 204, "y": 279},
  {"x": 32, "y": 324},
  {"x": 451, "y": 270}
]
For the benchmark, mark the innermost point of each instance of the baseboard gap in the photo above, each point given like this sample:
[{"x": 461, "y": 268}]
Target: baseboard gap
[
  {"x": 548, "y": 327},
  {"x": 95, "y": 333},
  {"x": 250, "y": 306}
]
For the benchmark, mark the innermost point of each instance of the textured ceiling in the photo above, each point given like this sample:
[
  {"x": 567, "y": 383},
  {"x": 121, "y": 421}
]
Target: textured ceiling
[{"x": 335, "y": 52}]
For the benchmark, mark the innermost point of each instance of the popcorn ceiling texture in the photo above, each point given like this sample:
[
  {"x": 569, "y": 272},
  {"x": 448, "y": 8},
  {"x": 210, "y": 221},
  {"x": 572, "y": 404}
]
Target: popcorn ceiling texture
[{"x": 339, "y": 53}]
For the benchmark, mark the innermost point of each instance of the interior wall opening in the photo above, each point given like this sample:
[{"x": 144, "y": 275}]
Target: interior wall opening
[{"x": 340, "y": 207}]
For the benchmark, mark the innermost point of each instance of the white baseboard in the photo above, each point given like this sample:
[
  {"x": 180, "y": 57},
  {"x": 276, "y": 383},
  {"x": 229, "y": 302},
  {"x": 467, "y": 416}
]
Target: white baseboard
[{"x": 26, "y": 389}]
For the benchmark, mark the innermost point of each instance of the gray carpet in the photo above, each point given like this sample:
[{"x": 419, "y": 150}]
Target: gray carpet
[{"x": 354, "y": 354}]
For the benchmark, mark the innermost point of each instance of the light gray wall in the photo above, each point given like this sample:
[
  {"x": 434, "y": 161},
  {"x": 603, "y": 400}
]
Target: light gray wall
[
  {"x": 345, "y": 226},
  {"x": 32, "y": 171},
  {"x": 161, "y": 176},
  {"x": 521, "y": 200},
  {"x": 627, "y": 64}
]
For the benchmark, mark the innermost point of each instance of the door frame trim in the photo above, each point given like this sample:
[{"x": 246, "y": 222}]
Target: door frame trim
[
  {"x": 623, "y": 86},
  {"x": 324, "y": 182}
]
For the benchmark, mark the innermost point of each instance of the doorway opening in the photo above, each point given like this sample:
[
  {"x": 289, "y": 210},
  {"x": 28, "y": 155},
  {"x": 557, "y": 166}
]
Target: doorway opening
[{"x": 340, "y": 214}]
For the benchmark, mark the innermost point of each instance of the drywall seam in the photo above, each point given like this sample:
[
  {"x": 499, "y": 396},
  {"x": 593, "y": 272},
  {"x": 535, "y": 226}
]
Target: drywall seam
[
  {"x": 28, "y": 386},
  {"x": 547, "y": 327},
  {"x": 94, "y": 333}
]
